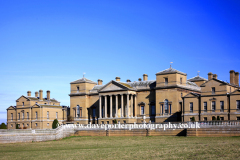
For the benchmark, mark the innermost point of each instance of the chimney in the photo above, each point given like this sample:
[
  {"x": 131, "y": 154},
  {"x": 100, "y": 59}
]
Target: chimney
[
  {"x": 41, "y": 94},
  {"x": 118, "y": 79},
  {"x": 232, "y": 77},
  {"x": 48, "y": 95},
  {"x": 237, "y": 78},
  {"x": 100, "y": 82},
  {"x": 215, "y": 76},
  {"x": 145, "y": 77},
  {"x": 128, "y": 80},
  {"x": 36, "y": 94},
  {"x": 210, "y": 75},
  {"x": 139, "y": 79},
  {"x": 29, "y": 93}
]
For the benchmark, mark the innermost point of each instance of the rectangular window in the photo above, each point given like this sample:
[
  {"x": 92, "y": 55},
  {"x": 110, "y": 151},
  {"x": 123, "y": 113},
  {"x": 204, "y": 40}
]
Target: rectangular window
[
  {"x": 94, "y": 112},
  {"x": 180, "y": 80},
  {"x": 142, "y": 110},
  {"x": 23, "y": 115},
  {"x": 77, "y": 89},
  {"x": 205, "y": 118},
  {"x": 153, "y": 110},
  {"x": 11, "y": 116},
  {"x": 213, "y": 90},
  {"x": 36, "y": 115},
  {"x": 47, "y": 114},
  {"x": 238, "y": 118},
  {"x": 47, "y": 124},
  {"x": 205, "y": 106},
  {"x": 35, "y": 124},
  {"x": 56, "y": 115},
  {"x": 170, "y": 108},
  {"x": 166, "y": 81},
  {"x": 162, "y": 109},
  {"x": 222, "y": 106},
  {"x": 27, "y": 115},
  {"x": 213, "y": 106},
  {"x": 102, "y": 122},
  {"x": 18, "y": 116},
  {"x": 238, "y": 104},
  {"x": 23, "y": 104},
  {"x": 222, "y": 118},
  {"x": 191, "y": 107},
  {"x": 107, "y": 122},
  {"x": 166, "y": 108}
]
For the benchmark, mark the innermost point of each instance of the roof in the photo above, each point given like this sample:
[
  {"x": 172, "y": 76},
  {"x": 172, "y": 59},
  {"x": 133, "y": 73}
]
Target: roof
[
  {"x": 170, "y": 71},
  {"x": 220, "y": 81},
  {"x": 83, "y": 80},
  {"x": 192, "y": 93},
  {"x": 197, "y": 78},
  {"x": 37, "y": 99}
]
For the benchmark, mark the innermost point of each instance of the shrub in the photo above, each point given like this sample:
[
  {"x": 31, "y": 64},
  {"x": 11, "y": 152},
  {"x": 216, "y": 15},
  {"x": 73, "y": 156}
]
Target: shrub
[
  {"x": 193, "y": 119},
  {"x": 213, "y": 118},
  {"x": 17, "y": 126},
  {"x": 3, "y": 126},
  {"x": 218, "y": 118},
  {"x": 69, "y": 118},
  {"x": 114, "y": 121},
  {"x": 55, "y": 124}
]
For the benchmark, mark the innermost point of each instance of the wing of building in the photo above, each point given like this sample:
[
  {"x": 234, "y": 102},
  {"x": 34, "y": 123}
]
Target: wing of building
[{"x": 35, "y": 112}]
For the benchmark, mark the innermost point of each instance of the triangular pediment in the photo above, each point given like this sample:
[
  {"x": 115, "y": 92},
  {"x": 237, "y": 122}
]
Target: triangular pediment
[
  {"x": 11, "y": 107},
  {"x": 114, "y": 86},
  {"x": 22, "y": 97},
  {"x": 191, "y": 95},
  {"x": 237, "y": 92}
]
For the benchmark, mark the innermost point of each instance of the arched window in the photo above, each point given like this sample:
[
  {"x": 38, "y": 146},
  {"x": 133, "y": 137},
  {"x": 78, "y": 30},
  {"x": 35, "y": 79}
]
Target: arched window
[{"x": 166, "y": 106}]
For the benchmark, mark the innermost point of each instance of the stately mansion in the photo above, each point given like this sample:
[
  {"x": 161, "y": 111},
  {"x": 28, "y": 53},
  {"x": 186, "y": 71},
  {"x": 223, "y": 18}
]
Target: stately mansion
[{"x": 168, "y": 98}]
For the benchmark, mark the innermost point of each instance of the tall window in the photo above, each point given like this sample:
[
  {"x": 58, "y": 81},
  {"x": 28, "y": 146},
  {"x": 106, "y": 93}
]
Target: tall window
[
  {"x": 94, "y": 112},
  {"x": 23, "y": 104},
  {"x": 213, "y": 90},
  {"x": 153, "y": 110},
  {"x": 191, "y": 107},
  {"x": 180, "y": 80},
  {"x": 36, "y": 115},
  {"x": 11, "y": 116},
  {"x": 213, "y": 106},
  {"x": 18, "y": 116},
  {"x": 166, "y": 106},
  {"x": 56, "y": 115},
  {"x": 77, "y": 89},
  {"x": 27, "y": 115},
  {"x": 47, "y": 114},
  {"x": 222, "y": 106},
  {"x": 23, "y": 115},
  {"x": 238, "y": 104},
  {"x": 205, "y": 106},
  {"x": 78, "y": 111},
  {"x": 166, "y": 81},
  {"x": 142, "y": 110}
]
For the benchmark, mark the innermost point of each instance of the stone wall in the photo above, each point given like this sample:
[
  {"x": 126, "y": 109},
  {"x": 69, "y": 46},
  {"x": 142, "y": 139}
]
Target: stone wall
[{"x": 214, "y": 132}]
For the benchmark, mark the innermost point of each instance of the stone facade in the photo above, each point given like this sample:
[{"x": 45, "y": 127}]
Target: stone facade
[{"x": 35, "y": 112}]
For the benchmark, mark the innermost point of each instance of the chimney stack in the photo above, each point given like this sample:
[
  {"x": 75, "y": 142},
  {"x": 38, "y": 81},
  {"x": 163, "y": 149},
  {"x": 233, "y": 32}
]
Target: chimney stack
[
  {"x": 41, "y": 94},
  {"x": 36, "y": 94},
  {"x": 29, "y": 93},
  {"x": 139, "y": 79},
  {"x": 210, "y": 75},
  {"x": 48, "y": 95},
  {"x": 118, "y": 79},
  {"x": 100, "y": 82},
  {"x": 232, "y": 77},
  {"x": 145, "y": 77},
  {"x": 237, "y": 78},
  {"x": 215, "y": 76},
  {"x": 128, "y": 80}
]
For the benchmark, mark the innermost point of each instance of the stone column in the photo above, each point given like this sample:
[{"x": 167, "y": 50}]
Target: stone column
[
  {"x": 105, "y": 107},
  {"x": 110, "y": 106},
  {"x": 116, "y": 99},
  {"x": 135, "y": 105},
  {"x": 121, "y": 105},
  {"x": 131, "y": 110},
  {"x": 127, "y": 105},
  {"x": 100, "y": 107}
]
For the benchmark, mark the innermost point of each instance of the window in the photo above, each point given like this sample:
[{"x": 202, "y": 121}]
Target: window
[
  {"x": 36, "y": 114},
  {"x": 180, "y": 80},
  {"x": 213, "y": 106},
  {"x": 205, "y": 106},
  {"x": 213, "y": 90},
  {"x": 78, "y": 111},
  {"x": 142, "y": 110},
  {"x": 18, "y": 116},
  {"x": 56, "y": 115},
  {"x": 102, "y": 122},
  {"x": 124, "y": 122},
  {"x": 205, "y": 118},
  {"x": 166, "y": 106},
  {"x": 191, "y": 107},
  {"x": 238, "y": 118},
  {"x": 238, "y": 104},
  {"x": 27, "y": 124},
  {"x": 222, "y": 118},
  {"x": 166, "y": 81},
  {"x": 153, "y": 110},
  {"x": 11, "y": 125},
  {"x": 47, "y": 124},
  {"x": 94, "y": 112},
  {"x": 27, "y": 115},
  {"x": 77, "y": 89},
  {"x": 35, "y": 124},
  {"x": 222, "y": 106},
  {"x": 11, "y": 116},
  {"x": 36, "y": 102},
  {"x": 23, "y": 104},
  {"x": 107, "y": 122},
  {"x": 23, "y": 125},
  {"x": 47, "y": 114},
  {"x": 23, "y": 115}
]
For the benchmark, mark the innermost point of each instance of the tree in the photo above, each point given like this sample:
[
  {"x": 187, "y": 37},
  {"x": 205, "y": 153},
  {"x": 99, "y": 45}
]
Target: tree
[
  {"x": 17, "y": 126},
  {"x": 218, "y": 118},
  {"x": 213, "y": 118},
  {"x": 3, "y": 126},
  {"x": 55, "y": 124}
]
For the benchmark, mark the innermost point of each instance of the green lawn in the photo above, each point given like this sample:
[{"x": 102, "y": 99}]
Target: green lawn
[{"x": 159, "y": 147}]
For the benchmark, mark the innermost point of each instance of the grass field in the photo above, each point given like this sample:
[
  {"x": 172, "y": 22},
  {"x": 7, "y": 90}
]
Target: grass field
[{"x": 159, "y": 147}]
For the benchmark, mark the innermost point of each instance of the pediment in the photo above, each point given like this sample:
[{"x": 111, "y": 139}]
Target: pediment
[
  {"x": 22, "y": 97},
  {"x": 11, "y": 107},
  {"x": 113, "y": 86}
]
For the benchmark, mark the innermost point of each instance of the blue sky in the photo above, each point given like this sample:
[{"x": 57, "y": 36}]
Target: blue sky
[{"x": 47, "y": 44}]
